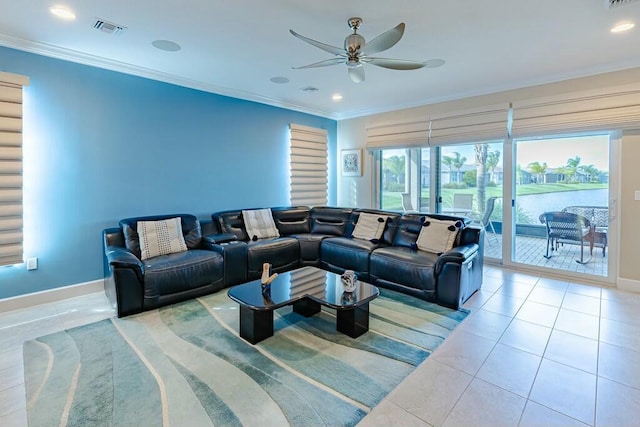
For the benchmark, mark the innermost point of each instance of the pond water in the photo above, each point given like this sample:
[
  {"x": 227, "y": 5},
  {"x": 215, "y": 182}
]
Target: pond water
[{"x": 535, "y": 204}]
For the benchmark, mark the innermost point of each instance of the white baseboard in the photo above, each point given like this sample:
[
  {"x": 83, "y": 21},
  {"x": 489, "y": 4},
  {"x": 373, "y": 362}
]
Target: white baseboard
[
  {"x": 50, "y": 295},
  {"x": 628, "y": 285}
]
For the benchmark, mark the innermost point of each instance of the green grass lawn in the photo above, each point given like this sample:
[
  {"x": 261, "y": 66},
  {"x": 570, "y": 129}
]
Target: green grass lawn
[{"x": 393, "y": 200}]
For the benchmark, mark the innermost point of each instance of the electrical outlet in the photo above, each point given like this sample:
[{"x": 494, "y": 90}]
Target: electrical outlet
[{"x": 32, "y": 263}]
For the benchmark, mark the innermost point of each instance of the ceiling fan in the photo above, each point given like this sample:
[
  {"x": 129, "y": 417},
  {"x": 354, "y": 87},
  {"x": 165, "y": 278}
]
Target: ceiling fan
[{"x": 356, "y": 52}]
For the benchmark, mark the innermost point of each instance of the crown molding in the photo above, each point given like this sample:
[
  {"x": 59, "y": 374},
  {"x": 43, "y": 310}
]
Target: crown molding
[{"x": 121, "y": 67}]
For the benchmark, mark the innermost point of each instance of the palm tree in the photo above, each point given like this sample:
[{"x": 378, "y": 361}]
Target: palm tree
[
  {"x": 458, "y": 162},
  {"x": 395, "y": 165},
  {"x": 591, "y": 171},
  {"x": 481, "y": 168},
  {"x": 493, "y": 159},
  {"x": 572, "y": 168},
  {"x": 538, "y": 169}
]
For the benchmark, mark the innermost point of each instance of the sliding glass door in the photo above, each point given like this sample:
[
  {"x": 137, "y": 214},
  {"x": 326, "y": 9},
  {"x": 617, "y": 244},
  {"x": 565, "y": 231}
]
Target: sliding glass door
[
  {"x": 468, "y": 180},
  {"x": 471, "y": 184},
  {"x": 561, "y": 210}
]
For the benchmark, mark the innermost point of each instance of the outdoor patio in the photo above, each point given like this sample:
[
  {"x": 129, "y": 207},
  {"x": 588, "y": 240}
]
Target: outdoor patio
[{"x": 531, "y": 251}]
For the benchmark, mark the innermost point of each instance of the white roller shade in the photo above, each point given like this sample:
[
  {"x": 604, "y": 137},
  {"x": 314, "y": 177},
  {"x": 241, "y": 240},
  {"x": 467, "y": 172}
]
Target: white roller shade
[
  {"x": 472, "y": 125},
  {"x": 11, "y": 168},
  {"x": 309, "y": 166},
  {"x": 613, "y": 108},
  {"x": 398, "y": 135}
]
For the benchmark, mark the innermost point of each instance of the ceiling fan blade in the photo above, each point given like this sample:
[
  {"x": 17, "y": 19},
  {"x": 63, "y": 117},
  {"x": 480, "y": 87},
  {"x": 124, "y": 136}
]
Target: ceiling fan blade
[
  {"x": 326, "y": 47},
  {"x": 434, "y": 63},
  {"x": 356, "y": 74},
  {"x": 326, "y": 62},
  {"x": 385, "y": 40},
  {"x": 394, "y": 64}
]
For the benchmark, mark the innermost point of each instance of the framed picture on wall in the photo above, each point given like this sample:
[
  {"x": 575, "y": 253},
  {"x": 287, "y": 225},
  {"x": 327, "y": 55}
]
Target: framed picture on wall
[{"x": 352, "y": 162}]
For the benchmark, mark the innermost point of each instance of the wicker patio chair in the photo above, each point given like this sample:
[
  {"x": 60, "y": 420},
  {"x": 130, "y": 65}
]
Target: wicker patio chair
[{"x": 566, "y": 227}]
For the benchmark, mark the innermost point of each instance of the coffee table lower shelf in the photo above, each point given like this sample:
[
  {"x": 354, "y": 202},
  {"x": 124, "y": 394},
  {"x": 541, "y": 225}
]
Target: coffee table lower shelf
[{"x": 257, "y": 324}]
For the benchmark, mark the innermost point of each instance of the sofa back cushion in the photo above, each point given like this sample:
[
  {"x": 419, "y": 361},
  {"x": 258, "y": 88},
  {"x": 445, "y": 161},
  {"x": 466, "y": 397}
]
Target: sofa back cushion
[
  {"x": 231, "y": 222},
  {"x": 409, "y": 226},
  {"x": 329, "y": 220},
  {"x": 292, "y": 220},
  {"x": 191, "y": 231}
]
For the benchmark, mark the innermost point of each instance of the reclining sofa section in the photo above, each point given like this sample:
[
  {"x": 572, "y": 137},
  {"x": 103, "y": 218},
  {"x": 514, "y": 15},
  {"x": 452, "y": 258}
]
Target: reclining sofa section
[{"x": 319, "y": 236}]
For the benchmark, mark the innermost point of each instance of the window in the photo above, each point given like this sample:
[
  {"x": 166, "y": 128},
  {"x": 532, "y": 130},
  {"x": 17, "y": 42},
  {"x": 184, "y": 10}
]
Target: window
[
  {"x": 405, "y": 180},
  {"x": 555, "y": 176},
  {"x": 11, "y": 168},
  {"x": 309, "y": 171}
]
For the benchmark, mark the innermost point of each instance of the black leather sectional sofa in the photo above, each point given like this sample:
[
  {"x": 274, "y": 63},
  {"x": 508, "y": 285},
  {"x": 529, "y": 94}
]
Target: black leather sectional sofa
[{"x": 221, "y": 254}]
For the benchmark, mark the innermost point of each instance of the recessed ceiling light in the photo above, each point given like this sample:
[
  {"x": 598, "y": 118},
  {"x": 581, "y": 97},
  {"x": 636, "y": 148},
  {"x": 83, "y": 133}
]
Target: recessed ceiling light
[
  {"x": 279, "y": 80},
  {"x": 337, "y": 97},
  {"x": 622, "y": 26},
  {"x": 166, "y": 45},
  {"x": 63, "y": 12}
]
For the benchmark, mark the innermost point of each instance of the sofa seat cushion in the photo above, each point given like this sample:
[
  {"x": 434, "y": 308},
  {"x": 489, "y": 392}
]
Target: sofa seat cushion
[
  {"x": 346, "y": 253},
  {"x": 168, "y": 274},
  {"x": 283, "y": 253},
  {"x": 406, "y": 266}
]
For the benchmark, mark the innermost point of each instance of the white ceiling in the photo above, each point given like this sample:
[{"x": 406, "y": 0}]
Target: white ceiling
[{"x": 234, "y": 47}]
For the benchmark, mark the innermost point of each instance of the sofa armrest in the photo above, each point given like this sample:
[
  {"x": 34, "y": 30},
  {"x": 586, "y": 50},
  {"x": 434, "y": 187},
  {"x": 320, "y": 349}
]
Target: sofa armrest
[
  {"x": 234, "y": 254},
  {"x": 119, "y": 257},
  {"x": 216, "y": 239},
  {"x": 459, "y": 254},
  {"x": 458, "y": 274},
  {"x": 124, "y": 282}
]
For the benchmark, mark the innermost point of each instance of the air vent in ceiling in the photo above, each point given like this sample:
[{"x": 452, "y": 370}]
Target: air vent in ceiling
[
  {"x": 108, "y": 27},
  {"x": 615, "y": 3}
]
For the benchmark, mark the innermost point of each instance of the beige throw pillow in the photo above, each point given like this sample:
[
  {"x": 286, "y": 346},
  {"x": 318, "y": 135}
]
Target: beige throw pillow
[
  {"x": 161, "y": 237},
  {"x": 437, "y": 236},
  {"x": 259, "y": 224},
  {"x": 369, "y": 226}
]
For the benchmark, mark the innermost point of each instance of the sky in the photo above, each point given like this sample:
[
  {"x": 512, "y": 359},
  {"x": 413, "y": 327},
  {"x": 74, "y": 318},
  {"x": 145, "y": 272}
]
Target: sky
[{"x": 592, "y": 150}]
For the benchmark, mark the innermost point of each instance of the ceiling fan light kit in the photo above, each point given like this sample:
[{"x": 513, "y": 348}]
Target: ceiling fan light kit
[{"x": 356, "y": 52}]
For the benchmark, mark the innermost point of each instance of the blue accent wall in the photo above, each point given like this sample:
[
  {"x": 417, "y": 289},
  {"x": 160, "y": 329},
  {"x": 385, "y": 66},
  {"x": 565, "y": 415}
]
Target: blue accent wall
[{"x": 100, "y": 146}]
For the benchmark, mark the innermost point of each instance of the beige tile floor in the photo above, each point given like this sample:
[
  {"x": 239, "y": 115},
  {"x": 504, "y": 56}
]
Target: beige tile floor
[{"x": 533, "y": 352}]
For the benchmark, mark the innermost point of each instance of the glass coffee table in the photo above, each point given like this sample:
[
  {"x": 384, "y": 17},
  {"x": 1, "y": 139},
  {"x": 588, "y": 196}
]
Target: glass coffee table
[{"x": 307, "y": 289}]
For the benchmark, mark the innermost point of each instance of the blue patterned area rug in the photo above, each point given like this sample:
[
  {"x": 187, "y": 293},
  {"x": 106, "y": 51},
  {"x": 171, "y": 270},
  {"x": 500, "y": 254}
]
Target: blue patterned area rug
[{"x": 186, "y": 365}]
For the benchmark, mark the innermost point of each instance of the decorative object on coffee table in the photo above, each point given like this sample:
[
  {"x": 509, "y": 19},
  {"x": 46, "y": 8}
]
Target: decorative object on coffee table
[
  {"x": 267, "y": 277},
  {"x": 349, "y": 280}
]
